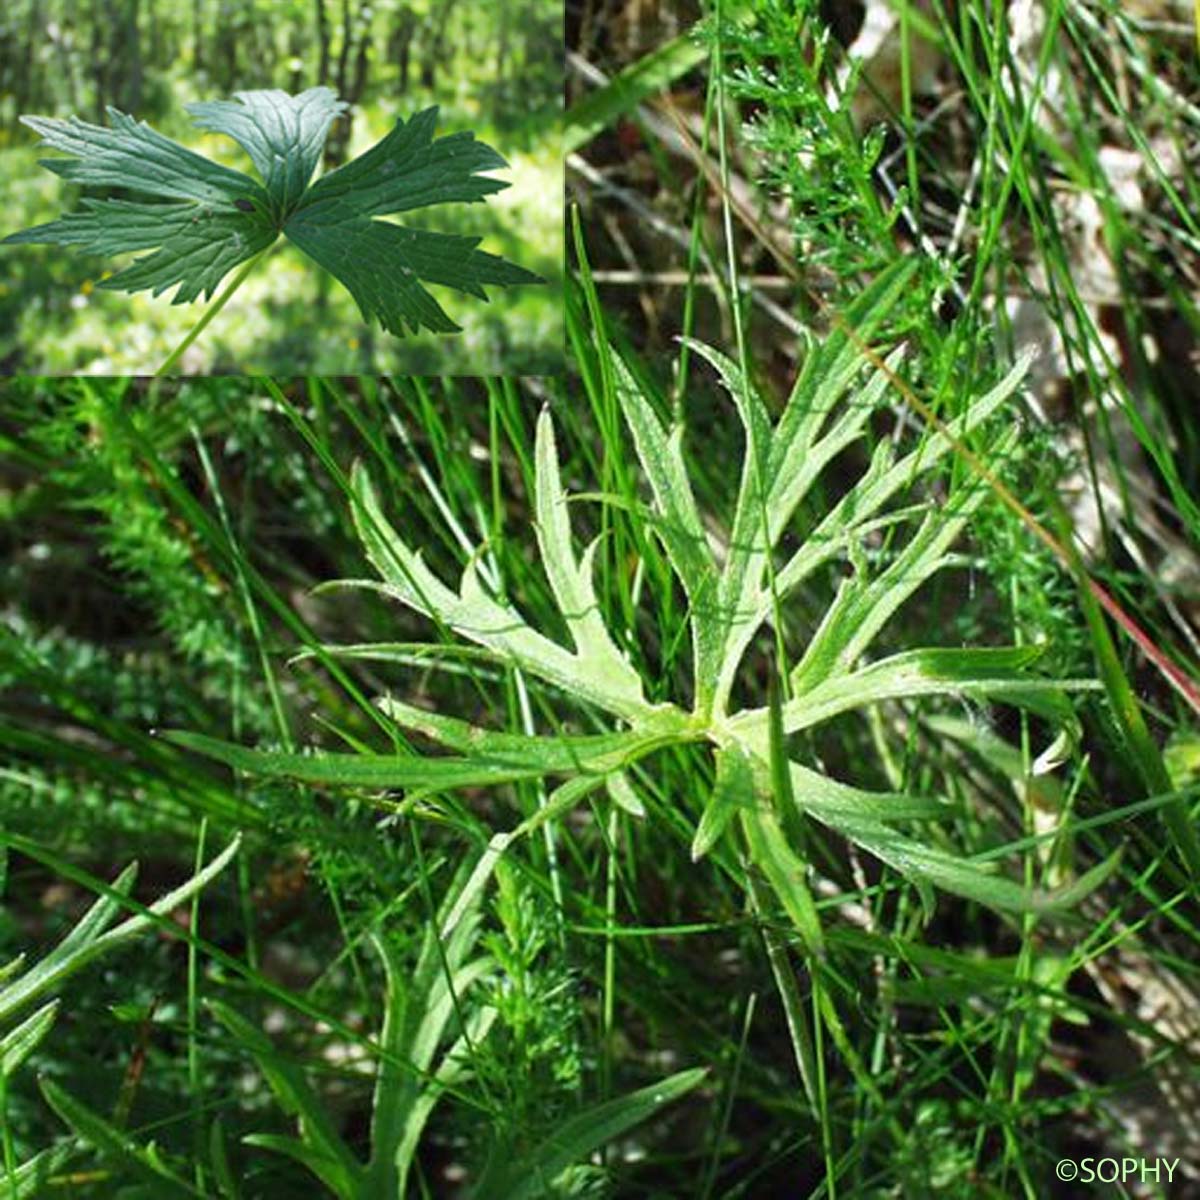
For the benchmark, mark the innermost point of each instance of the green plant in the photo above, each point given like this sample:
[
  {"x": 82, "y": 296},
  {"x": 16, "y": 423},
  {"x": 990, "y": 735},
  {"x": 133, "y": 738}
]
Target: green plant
[
  {"x": 532, "y": 1176},
  {"x": 207, "y": 219},
  {"x": 732, "y": 595},
  {"x": 422, "y": 1006},
  {"x": 728, "y": 605},
  {"x": 92, "y": 936}
]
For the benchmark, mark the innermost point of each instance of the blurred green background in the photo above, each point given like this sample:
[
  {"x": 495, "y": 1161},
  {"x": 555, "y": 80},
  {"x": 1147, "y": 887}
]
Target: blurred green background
[{"x": 494, "y": 67}]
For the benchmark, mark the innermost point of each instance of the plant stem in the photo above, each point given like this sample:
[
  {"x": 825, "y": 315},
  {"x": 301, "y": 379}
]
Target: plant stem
[{"x": 212, "y": 310}]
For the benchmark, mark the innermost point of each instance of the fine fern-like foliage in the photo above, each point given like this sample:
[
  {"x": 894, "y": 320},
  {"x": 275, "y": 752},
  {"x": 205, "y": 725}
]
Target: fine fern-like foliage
[
  {"x": 202, "y": 219},
  {"x": 732, "y": 594}
]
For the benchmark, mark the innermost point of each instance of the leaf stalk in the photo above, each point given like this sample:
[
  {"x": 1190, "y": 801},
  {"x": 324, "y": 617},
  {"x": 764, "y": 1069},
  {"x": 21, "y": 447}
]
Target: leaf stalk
[{"x": 209, "y": 313}]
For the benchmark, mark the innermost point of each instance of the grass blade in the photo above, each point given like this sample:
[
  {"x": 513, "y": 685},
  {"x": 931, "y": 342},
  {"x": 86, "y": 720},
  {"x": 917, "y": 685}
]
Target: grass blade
[{"x": 581, "y": 1135}]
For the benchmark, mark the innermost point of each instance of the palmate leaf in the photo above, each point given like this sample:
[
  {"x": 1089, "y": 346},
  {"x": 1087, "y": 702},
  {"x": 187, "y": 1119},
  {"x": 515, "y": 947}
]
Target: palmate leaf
[
  {"x": 206, "y": 219},
  {"x": 475, "y": 615},
  {"x": 194, "y": 246},
  {"x": 730, "y": 595},
  {"x": 282, "y": 134}
]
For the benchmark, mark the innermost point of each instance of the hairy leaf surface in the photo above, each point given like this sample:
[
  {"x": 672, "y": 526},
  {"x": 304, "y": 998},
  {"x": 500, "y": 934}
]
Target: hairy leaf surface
[{"x": 730, "y": 597}]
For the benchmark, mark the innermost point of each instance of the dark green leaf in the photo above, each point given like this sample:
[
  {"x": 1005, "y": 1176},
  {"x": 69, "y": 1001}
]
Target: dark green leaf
[
  {"x": 282, "y": 134},
  {"x": 409, "y": 169},
  {"x": 383, "y": 265},
  {"x": 194, "y": 246},
  {"x": 130, "y": 154},
  {"x": 196, "y": 242},
  {"x": 217, "y": 218}
]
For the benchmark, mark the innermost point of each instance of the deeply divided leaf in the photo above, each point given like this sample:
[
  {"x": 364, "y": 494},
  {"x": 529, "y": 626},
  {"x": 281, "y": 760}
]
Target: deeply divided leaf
[
  {"x": 730, "y": 597},
  {"x": 282, "y": 134},
  {"x": 217, "y": 218}
]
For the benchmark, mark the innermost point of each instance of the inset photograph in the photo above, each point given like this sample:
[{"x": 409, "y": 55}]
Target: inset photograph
[{"x": 351, "y": 188}]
